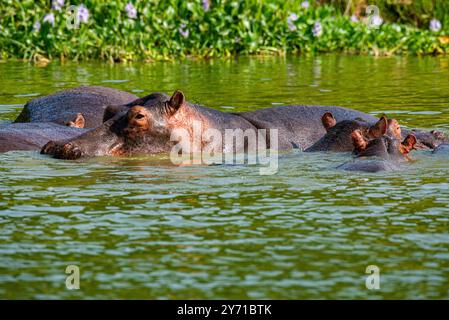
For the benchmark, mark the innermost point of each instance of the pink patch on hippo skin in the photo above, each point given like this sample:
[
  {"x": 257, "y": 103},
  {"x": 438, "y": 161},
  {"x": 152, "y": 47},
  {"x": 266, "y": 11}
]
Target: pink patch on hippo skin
[{"x": 394, "y": 129}]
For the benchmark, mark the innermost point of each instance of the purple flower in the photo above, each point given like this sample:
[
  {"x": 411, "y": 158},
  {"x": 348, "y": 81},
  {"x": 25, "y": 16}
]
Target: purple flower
[
  {"x": 435, "y": 25},
  {"x": 375, "y": 22},
  {"x": 37, "y": 26},
  {"x": 82, "y": 14},
  {"x": 317, "y": 29},
  {"x": 290, "y": 21},
  {"x": 183, "y": 31},
  {"x": 292, "y": 17},
  {"x": 354, "y": 18},
  {"x": 57, "y": 5},
  {"x": 206, "y": 5},
  {"x": 131, "y": 11},
  {"x": 305, "y": 4},
  {"x": 49, "y": 18}
]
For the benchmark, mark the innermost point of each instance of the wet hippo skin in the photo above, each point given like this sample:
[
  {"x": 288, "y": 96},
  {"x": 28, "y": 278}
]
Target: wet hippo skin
[
  {"x": 300, "y": 126},
  {"x": 32, "y": 136},
  {"x": 62, "y": 107}
]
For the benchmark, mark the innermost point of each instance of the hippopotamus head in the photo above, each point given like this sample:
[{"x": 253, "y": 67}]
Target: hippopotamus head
[
  {"x": 142, "y": 126},
  {"x": 380, "y": 154},
  {"x": 148, "y": 100},
  {"x": 338, "y": 135},
  {"x": 385, "y": 147},
  {"x": 428, "y": 139}
]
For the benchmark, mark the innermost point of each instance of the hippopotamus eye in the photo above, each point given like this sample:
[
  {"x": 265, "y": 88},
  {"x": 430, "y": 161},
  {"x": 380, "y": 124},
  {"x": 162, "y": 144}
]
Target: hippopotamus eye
[{"x": 139, "y": 116}]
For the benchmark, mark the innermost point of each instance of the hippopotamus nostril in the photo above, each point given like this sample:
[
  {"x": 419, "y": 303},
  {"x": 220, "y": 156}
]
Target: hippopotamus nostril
[
  {"x": 68, "y": 151},
  {"x": 49, "y": 148}
]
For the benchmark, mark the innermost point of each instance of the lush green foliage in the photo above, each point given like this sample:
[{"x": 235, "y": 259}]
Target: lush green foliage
[
  {"x": 179, "y": 28},
  {"x": 418, "y": 13}
]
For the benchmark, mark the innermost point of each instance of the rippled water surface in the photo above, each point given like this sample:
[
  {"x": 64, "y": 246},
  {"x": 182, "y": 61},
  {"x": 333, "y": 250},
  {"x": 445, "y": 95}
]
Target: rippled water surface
[{"x": 142, "y": 228}]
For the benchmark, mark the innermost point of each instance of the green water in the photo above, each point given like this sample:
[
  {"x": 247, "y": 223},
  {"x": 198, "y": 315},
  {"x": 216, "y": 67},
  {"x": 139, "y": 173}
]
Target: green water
[{"x": 142, "y": 228}]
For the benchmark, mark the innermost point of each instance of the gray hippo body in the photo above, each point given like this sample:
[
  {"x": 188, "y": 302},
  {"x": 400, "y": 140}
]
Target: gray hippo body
[
  {"x": 62, "y": 107},
  {"x": 369, "y": 165},
  {"x": 32, "y": 136},
  {"x": 442, "y": 149},
  {"x": 300, "y": 126}
]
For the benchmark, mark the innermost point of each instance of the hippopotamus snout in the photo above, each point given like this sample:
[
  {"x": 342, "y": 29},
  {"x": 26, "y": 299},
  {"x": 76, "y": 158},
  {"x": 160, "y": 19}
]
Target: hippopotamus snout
[{"x": 68, "y": 150}]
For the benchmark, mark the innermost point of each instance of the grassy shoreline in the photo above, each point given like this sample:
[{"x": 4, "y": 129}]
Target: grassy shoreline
[{"x": 174, "y": 29}]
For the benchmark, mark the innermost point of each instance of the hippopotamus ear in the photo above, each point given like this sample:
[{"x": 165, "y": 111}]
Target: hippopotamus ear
[
  {"x": 328, "y": 120},
  {"x": 380, "y": 128},
  {"x": 176, "y": 101},
  {"x": 78, "y": 122},
  {"x": 408, "y": 144},
  {"x": 438, "y": 135},
  {"x": 358, "y": 140}
]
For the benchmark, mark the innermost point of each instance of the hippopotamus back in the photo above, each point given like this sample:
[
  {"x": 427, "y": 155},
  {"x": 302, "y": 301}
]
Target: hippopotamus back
[
  {"x": 300, "y": 126},
  {"x": 32, "y": 136},
  {"x": 63, "y": 106}
]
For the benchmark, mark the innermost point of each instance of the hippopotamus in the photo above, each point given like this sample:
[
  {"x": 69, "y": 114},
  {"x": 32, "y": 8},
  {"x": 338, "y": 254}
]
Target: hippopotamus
[
  {"x": 301, "y": 126},
  {"x": 379, "y": 154},
  {"x": 147, "y": 126},
  {"x": 84, "y": 103},
  {"x": 427, "y": 139},
  {"x": 338, "y": 134},
  {"x": 32, "y": 136}
]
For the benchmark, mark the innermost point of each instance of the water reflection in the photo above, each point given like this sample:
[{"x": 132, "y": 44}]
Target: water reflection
[{"x": 142, "y": 228}]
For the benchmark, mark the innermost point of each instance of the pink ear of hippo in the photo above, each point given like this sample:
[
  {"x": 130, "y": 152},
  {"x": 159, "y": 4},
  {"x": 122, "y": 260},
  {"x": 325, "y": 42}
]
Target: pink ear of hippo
[
  {"x": 380, "y": 128},
  {"x": 78, "y": 122},
  {"x": 328, "y": 120},
  {"x": 176, "y": 101},
  {"x": 408, "y": 144}
]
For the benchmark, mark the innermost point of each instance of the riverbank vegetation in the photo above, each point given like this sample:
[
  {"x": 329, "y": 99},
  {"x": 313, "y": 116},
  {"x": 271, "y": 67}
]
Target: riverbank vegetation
[{"x": 170, "y": 29}]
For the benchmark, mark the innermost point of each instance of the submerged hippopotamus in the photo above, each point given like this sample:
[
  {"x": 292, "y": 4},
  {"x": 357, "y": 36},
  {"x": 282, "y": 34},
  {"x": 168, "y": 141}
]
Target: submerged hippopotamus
[
  {"x": 338, "y": 137},
  {"x": 146, "y": 125},
  {"x": 338, "y": 134},
  {"x": 32, "y": 136},
  {"x": 379, "y": 154},
  {"x": 85, "y": 103}
]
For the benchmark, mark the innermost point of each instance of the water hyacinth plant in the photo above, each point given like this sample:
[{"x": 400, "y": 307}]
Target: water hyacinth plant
[
  {"x": 82, "y": 14},
  {"x": 159, "y": 30},
  {"x": 57, "y": 5},
  {"x": 49, "y": 18},
  {"x": 435, "y": 25},
  {"x": 131, "y": 11}
]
